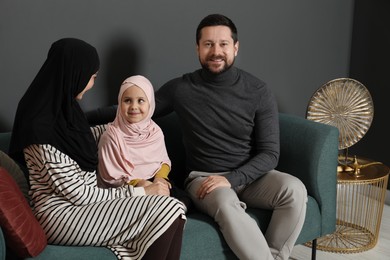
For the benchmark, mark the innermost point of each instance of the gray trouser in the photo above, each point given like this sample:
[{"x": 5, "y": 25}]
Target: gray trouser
[{"x": 283, "y": 193}]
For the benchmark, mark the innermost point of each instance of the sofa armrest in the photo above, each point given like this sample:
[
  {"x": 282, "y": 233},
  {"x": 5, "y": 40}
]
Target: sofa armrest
[
  {"x": 2, "y": 246},
  {"x": 309, "y": 151}
]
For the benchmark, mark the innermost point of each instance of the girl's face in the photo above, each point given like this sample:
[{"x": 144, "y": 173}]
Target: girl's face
[
  {"x": 90, "y": 84},
  {"x": 134, "y": 105}
]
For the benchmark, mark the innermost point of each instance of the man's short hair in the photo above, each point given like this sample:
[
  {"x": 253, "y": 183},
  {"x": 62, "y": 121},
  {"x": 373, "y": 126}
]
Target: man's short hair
[{"x": 215, "y": 20}]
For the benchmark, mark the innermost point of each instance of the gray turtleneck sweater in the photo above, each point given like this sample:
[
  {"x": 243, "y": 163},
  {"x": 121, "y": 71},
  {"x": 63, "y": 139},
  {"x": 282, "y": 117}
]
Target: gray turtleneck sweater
[{"x": 229, "y": 122}]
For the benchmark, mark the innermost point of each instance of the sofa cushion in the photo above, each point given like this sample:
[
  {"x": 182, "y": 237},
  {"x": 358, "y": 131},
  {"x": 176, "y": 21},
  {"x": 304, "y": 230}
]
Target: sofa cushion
[{"x": 23, "y": 233}]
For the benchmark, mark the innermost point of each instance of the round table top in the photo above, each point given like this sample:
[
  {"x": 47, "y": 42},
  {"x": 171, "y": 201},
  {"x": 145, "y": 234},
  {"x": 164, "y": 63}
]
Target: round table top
[{"x": 363, "y": 169}]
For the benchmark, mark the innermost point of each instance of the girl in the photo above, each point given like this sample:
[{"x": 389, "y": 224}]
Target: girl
[{"x": 132, "y": 150}]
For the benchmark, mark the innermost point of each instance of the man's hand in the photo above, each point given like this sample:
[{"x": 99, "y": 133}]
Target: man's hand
[{"x": 211, "y": 183}]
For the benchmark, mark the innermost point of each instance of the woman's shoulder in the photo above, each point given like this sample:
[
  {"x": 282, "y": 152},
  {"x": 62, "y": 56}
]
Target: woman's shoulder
[
  {"x": 46, "y": 152},
  {"x": 39, "y": 148}
]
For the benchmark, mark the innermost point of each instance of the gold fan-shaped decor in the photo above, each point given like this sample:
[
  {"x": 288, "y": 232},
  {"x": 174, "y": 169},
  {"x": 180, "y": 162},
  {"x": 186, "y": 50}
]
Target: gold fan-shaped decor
[{"x": 346, "y": 104}]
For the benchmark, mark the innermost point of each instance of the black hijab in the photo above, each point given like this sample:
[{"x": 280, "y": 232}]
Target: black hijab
[{"x": 49, "y": 113}]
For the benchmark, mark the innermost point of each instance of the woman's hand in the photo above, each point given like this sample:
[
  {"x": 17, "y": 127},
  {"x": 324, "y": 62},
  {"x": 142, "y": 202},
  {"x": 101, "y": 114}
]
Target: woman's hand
[
  {"x": 157, "y": 188},
  {"x": 144, "y": 183},
  {"x": 162, "y": 180}
]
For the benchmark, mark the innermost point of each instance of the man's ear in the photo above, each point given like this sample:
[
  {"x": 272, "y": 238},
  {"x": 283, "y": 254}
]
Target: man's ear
[{"x": 236, "y": 45}]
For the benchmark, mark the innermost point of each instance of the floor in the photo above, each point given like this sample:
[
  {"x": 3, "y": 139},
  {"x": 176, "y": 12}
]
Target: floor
[{"x": 380, "y": 252}]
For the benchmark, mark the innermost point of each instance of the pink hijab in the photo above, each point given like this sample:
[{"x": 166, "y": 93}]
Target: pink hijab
[{"x": 130, "y": 151}]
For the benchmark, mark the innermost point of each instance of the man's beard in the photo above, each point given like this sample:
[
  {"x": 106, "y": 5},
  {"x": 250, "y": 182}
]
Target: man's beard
[{"x": 206, "y": 67}]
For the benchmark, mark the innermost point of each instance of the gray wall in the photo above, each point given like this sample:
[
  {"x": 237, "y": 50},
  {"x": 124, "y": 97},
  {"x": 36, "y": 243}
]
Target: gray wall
[
  {"x": 370, "y": 55},
  {"x": 295, "y": 46}
]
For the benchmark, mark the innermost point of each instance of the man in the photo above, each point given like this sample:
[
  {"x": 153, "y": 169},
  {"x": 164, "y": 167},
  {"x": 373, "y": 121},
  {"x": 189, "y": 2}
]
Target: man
[{"x": 230, "y": 129}]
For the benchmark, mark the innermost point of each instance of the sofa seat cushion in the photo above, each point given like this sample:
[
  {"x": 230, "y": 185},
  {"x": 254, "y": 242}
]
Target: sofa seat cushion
[
  {"x": 201, "y": 231},
  {"x": 312, "y": 224},
  {"x": 23, "y": 233},
  {"x": 75, "y": 253}
]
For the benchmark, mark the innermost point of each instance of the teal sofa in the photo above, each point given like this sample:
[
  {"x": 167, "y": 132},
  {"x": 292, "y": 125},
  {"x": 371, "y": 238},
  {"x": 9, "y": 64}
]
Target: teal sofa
[{"x": 309, "y": 151}]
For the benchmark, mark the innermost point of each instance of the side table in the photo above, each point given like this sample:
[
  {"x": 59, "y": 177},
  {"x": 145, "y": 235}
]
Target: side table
[{"x": 361, "y": 192}]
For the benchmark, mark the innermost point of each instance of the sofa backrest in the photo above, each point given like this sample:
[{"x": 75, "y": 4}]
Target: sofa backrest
[
  {"x": 302, "y": 143},
  {"x": 4, "y": 141},
  {"x": 299, "y": 139},
  {"x": 170, "y": 126}
]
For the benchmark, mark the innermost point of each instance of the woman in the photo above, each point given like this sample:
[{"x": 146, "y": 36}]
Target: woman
[{"x": 52, "y": 137}]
